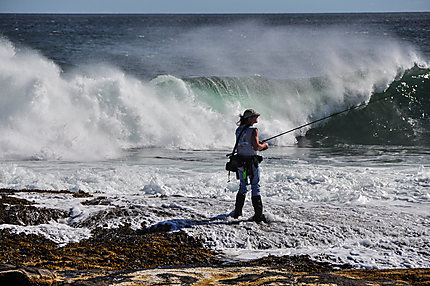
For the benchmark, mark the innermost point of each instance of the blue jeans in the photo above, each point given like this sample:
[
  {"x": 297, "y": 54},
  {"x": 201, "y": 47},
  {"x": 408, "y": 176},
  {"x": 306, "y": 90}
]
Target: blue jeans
[{"x": 255, "y": 183}]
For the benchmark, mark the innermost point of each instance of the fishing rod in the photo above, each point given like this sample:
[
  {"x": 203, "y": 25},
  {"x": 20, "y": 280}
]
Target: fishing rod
[{"x": 331, "y": 115}]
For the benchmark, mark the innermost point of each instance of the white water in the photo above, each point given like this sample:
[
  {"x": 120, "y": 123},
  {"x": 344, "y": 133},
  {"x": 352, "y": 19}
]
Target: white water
[
  {"x": 95, "y": 111},
  {"x": 369, "y": 208},
  {"x": 366, "y": 212}
]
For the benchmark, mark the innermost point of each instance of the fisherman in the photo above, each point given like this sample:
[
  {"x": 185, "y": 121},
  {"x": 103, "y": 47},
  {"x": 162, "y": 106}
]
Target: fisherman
[{"x": 247, "y": 147}]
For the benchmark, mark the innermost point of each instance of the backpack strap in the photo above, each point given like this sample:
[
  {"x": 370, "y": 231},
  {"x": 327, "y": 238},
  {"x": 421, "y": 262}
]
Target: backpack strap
[{"x": 237, "y": 140}]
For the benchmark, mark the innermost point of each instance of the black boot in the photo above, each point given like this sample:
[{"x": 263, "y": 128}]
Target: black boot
[
  {"x": 240, "y": 200},
  {"x": 258, "y": 209}
]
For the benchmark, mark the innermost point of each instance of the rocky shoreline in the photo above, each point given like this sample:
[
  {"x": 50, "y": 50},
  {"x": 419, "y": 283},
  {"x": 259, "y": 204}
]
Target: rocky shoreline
[{"x": 154, "y": 256}]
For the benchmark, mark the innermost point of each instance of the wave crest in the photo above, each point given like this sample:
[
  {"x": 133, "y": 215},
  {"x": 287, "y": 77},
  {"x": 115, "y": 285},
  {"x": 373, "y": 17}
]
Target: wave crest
[{"x": 96, "y": 111}]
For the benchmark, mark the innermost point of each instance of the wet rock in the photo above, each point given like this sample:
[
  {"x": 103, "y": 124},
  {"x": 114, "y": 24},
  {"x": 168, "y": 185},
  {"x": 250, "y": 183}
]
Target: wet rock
[
  {"x": 154, "y": 256},
  {"x": 108, "y": 249},
  {"x": 390, "y": 276},
  {"x": 21, "y": 249},
  {"x": 6, "y": 199},
  {"x": 98, "y": 201},
  {"x": 296, "y": 263},
  {"x": 11, "y": 275},
  {"x": 78, "y": 194},
  {"x": 124, "y": 255},
  {"x": 21, "y": 212},
  {"x": 264, "y": 275},
  {"x": 174, "y": 279},
  {"x": 119, "y": 214},
  {"x": 15, "y": 277}
]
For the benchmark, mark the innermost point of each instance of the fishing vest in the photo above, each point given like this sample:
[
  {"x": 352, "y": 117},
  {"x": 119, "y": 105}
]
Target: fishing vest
[{"x": 244, "y": 146}]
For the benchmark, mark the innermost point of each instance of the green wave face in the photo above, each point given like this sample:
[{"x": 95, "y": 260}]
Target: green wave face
[{"x": 402, "y": 119}]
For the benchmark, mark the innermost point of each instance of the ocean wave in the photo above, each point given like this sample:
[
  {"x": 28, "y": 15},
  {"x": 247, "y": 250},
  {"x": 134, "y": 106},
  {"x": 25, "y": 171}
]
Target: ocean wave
[
  {"x": 95, "y": 111},
  {"x": 402, "y": 118}
]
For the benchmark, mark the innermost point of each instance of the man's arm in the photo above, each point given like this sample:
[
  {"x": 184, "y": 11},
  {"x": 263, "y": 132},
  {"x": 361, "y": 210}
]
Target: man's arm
[{"x": 256, "y": 144}]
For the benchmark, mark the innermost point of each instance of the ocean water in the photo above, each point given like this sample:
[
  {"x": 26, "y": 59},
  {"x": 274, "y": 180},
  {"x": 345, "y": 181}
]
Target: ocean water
[{"x": 140, "y": 111}]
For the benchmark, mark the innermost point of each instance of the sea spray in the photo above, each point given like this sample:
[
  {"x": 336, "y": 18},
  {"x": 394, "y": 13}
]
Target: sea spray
[
  {"x": 293, "y": 74},
  {"x": 366, "y": 205},
  {"x": 251, "y": 48},
  {"x": 96, "y": 110},
  {"x": 43, "y": 115},
  {"x": 93, "y": 112}
]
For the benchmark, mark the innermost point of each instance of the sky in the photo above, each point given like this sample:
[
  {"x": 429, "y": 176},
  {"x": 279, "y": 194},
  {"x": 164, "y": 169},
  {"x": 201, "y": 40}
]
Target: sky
[{"x": 211, "y": 6}]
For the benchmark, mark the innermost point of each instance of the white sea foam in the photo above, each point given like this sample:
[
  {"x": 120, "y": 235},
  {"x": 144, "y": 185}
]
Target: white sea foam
[
  {"x": 92, "y": 113},
  {"x": 290, "y": 174},
  {"x": 96, "y": 111},
  {"x": 367, "y": 213},
  {"x": 57, "y": 232},
  {"x": 360, "y": 234},
  {"x": 80, "y": 127}
]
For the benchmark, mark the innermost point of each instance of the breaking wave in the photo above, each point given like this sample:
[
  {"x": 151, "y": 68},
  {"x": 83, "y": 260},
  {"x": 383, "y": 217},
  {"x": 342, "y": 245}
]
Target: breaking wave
[{"x": 97, "y": 111}]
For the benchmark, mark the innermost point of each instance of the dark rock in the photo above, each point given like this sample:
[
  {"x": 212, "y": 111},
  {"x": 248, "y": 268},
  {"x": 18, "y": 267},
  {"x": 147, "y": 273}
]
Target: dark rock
[
  {"x": 15, "y": 277},
  {"x": 329, "y": 279},
  {"x": 11, "y": 275},
  {"x": 98, "y": 201},
  {"x": 172, "y": 279},
  {"x": 109, "y": 249},
  {"x": 80, "y": 193},
  {"x": 294, "y": 263},
  {"x": 246, "y": 278},
  {"x": 21, "y": 212}
]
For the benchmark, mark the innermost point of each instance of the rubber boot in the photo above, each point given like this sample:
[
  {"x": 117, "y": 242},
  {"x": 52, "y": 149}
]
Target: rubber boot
[
  {"x": 240, "y": 200},
  {"x": 258, "y": 209}
]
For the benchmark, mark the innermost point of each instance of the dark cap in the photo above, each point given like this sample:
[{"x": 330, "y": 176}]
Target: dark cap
[{"x": 250, "y": 113}]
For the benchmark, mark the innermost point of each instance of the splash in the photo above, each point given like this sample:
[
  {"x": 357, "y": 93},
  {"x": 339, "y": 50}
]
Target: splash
[{"x": 96, "y": 111}]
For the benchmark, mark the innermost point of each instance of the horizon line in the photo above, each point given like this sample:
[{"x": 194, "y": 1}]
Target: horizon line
[{"x": 214, "y": 13}]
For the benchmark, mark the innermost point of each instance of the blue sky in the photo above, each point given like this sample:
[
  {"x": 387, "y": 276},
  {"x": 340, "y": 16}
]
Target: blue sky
[{"x": 211, "y": 6}]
